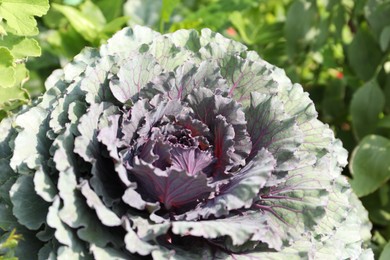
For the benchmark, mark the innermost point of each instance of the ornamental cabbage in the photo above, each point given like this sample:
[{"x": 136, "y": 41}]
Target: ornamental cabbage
[{"x": 176, "y": 146}]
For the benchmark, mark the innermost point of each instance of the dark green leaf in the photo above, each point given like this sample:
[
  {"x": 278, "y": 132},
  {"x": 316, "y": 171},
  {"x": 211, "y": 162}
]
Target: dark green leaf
[
  {"x": 367, "y": 102},
  {"x": 384, "y": 39},
  {"x": 370, "y": 164},
  {"x": 29, "y": 208},
  {"x": 377, "y": 13},
  {"x": 301, "y": 16},
  {"x": 364, "y": 55}
]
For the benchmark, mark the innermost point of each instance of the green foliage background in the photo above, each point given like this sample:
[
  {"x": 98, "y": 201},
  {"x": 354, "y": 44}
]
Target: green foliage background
[{"x": 337, "y": 49}]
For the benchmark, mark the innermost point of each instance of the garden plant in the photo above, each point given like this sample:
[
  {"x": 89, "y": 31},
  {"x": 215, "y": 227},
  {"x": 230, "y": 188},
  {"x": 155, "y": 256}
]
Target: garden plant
[{"x": 129, "y": 131}]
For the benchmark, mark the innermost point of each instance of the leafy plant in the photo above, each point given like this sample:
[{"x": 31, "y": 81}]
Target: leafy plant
[
  {"x": 180, "y": 145},
  {"x": 17, "y": 25},
  {"x": 7, "y": 247}
]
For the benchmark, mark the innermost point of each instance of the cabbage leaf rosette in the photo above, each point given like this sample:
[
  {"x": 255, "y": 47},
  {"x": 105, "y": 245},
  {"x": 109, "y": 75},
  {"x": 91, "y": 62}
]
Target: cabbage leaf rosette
[{"x": 176, "y": 146}]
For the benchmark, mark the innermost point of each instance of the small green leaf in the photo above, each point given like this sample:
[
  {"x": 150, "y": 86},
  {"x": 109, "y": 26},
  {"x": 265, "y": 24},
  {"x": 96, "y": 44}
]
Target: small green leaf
[
  {"x": 19, "y": 14},
  {"x": 367, "y": 102},
  {"x": 386, "y": 252},
  {"x": 384, "y": 39},
  {"x": 21, "y": 47},
  {"x": 370, "y": 164},
  {"x": 7, "y": 71},
  {"x": 364, "y": 55}
]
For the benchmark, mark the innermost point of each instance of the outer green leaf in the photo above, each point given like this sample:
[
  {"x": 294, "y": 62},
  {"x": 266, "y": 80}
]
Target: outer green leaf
[
  {"x": 44, "y": 186},
  {"x": 19, "y": 14},
  {"x": 136, "y": 245},
  {"x": 364, "y": 55},
  {"x": 104, "y": 253},
  {"x": 30, "y": 140},
  {"x": 106, "y": 216},
  {"x": 370, "y": 165},
  {"x": 367, "y": 102},
  {"x": 239, "y": 228},
  {"x": 143, "y": 69},
  {"x": 28, "y": 207}
]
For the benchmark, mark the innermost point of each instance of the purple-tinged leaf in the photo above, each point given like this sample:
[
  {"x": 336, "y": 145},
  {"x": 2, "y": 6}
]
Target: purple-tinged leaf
[
  {"x": 133, "y": 76},
  {"x": 223, "y": 147},
  {"x": 173, "y": 188},
  {"x": 208, "y": 105},
  {"x": 196, "y": 126},
  {"x": 271, "y": 128},
  {"x": 191, "y": 160},
  {"x": 238, "y": 192},
  {"x": 189, "y": 76}
]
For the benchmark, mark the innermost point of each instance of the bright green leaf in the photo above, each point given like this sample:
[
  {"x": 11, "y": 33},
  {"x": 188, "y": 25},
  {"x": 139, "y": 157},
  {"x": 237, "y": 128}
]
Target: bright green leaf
[
  {"x": 19, "y": 14},
  {"x": 93, "y": 13},
  {"x": 384, "y": 39},
  {"x": 367, "y": 102},
  {"x": 370, "y": 164},
  {"x": 2, "y": 31},
  {"x": 21, "y": 47},
  {"x": 237, "y": 19},
  {"x": 364, "y": 55},
  {"x": 7, "y": 70},
  {"x": 12, "y": 97},
  {"x": 79, "y": 21}
]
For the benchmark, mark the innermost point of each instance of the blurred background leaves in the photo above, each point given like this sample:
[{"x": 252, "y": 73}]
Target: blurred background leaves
[{"x": 337, "y": 49}]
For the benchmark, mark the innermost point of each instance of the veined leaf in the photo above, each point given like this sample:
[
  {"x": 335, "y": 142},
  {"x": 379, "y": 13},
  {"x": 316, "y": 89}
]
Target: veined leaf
[{"x": 19, "y": 14}]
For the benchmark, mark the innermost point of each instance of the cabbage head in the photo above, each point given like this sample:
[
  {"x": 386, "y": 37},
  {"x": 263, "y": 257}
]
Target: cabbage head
[{"x": 176, "y": 146}]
